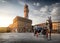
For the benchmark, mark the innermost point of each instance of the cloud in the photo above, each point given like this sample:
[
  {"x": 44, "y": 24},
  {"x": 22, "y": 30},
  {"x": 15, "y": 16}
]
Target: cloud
[
  {"x": 6, "y": 12},
  {"x": 41, "y": 15},
  {"x": 48, "y": 10},
  {"x": 3, "y": 1},
  {"x": 45, "y": 11},
  {"x": 55, "y": 9},
  {"x": 42, "y": 12},
  {"x": 20, "y": 2},
  {"x": 55, "y": 13},
  {"x": 36, "y": 4}
]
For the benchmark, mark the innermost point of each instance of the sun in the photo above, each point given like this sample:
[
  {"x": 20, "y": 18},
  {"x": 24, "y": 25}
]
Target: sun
[{"x": 5, "y": 21}]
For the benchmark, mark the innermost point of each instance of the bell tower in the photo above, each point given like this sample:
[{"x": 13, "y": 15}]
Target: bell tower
[{"x": 26, "y": 11}]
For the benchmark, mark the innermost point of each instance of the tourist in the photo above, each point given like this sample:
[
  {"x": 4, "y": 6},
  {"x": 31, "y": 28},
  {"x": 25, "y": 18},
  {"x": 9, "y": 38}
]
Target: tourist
[
  {"x": 45, "y": 32},
  {"x": 35, "y": 30}
]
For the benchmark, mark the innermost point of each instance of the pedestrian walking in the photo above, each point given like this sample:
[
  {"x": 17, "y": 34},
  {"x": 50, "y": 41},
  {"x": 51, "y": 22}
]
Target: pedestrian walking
[
  {"x": 35, "y": 30},
  {"x": 45, "y": 33}
]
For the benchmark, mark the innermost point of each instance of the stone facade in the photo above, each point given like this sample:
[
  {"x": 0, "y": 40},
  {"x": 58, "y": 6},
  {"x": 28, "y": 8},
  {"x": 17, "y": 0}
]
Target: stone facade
[
  {"x": 26, "y": 11},
  {"x": 55, "y": 26},
  {"x": 21, "y": 24}
]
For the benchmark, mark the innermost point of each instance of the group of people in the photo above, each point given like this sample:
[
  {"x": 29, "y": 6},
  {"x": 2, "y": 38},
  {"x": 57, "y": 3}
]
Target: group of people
[{"x": 38, "y": 30}]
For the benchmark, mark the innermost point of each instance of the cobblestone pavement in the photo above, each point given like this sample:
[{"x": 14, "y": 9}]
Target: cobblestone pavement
[{"x": 27, "y": 38}]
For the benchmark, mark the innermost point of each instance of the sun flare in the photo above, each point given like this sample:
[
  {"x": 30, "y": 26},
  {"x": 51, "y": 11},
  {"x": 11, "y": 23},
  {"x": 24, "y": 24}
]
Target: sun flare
[{"x": 5, "y": 21}]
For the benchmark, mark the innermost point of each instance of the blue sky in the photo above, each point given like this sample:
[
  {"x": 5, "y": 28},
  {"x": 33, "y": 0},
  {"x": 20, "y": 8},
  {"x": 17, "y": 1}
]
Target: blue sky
[{"x": 39, "y": 10}]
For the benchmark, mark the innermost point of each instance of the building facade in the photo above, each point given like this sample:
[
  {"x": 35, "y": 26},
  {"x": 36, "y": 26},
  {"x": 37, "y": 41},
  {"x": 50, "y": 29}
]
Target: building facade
[
  {"x": 55, "y": 26},
  {"x": 22, "y": 24},
  {"x": 26, "y": 11}
]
